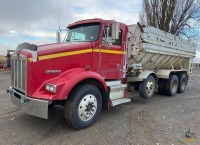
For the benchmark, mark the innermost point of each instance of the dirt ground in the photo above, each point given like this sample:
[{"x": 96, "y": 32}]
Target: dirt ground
[{"x": 161, "y": 120}]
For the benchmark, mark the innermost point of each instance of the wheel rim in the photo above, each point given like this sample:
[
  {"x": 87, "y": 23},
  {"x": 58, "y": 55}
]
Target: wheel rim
[
  {"x": 150, "y": 88},
  {"x": 174, "y": 86},
  {"x": 87, "y": 107},
  {"x": 183, "y": 84}
]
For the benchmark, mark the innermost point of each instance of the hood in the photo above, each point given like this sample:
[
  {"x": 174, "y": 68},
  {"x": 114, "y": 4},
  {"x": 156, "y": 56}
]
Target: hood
[
  {"x": 62, "y": 47},
  {"x": 33, "y": 51}
]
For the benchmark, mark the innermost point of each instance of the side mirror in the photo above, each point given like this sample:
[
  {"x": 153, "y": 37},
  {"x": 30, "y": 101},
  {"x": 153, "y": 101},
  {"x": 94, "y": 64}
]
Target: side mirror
[
  {"x": 58, "y": 36},
  {"x": 115, "y": 30}
]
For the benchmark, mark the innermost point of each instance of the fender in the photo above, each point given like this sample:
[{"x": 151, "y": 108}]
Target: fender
[
  {"x": 143, "y": 75},
  {"x": 164, "y": 74},
  {"x": 65, "y": 83},
  {"x": 77, "y": 76}
]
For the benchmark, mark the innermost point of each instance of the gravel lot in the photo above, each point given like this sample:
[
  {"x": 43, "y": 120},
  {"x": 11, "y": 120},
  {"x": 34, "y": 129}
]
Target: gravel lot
[{"x": 161, "y": 120}]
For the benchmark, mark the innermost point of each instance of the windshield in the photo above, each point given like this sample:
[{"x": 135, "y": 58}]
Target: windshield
[{"x": 84, "y": 33}]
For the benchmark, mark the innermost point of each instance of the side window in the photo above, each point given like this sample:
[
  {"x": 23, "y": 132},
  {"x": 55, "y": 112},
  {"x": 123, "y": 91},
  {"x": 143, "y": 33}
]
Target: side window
[
  {"x": 119, "y": 40},
  {"x": 107, "y": 34}
]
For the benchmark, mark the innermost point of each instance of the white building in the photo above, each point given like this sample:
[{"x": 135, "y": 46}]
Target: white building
[{"x": 196, "y": 65}]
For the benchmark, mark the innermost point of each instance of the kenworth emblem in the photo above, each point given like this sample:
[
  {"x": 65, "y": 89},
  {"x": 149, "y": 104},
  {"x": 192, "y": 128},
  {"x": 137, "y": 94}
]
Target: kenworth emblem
[{"x": 53, "y": 71}]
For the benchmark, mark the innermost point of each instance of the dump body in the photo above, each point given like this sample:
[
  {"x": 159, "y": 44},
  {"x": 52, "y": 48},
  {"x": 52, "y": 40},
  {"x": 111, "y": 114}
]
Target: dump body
[{"x": 152, "y": 49}]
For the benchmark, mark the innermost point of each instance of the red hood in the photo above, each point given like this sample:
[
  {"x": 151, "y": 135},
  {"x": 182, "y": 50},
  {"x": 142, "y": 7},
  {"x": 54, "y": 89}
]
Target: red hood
[
  {"x": 58, "y": 48},
  {"x": 62, "y": 47}
]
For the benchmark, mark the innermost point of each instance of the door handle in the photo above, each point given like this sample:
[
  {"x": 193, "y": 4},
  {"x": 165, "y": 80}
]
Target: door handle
[{"x": 118, "y": 66}]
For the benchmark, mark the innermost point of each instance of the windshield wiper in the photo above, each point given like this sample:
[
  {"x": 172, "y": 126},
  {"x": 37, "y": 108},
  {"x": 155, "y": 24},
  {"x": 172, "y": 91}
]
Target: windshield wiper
[
  {"x": 67, "y": 40},
  {"x": 76, "y": 39}
]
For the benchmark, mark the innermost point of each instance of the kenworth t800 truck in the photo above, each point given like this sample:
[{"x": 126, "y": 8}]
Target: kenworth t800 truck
[{"x": 95, "y": 67}]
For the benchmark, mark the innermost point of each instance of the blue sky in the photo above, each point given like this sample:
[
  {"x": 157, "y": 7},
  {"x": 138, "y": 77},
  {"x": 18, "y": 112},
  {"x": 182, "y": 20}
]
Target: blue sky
[{"x": 36, "y": 21}]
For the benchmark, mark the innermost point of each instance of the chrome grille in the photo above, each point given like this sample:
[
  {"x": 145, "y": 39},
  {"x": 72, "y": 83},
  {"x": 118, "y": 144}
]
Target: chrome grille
[{"x": 18, "y": 73}]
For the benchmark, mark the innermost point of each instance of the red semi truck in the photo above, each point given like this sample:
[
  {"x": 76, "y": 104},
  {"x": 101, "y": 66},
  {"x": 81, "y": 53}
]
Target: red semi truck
[{"x": 94, "y": 67}]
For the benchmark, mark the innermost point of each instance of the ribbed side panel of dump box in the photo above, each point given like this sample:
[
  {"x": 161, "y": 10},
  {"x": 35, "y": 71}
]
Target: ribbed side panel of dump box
[{"x": 155, "y": 49}]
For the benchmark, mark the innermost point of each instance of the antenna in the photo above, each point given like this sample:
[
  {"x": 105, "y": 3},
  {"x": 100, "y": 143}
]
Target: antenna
[
  {"x": 96, "y": 9},
  {"x": 58, "y": 31},
  {"x": 58, "y": 21}
]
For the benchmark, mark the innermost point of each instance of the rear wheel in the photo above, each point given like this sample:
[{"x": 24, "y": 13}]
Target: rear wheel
[
  {"x": 147, "y": 87},
  {"x": 161, "y": 86},
  {"x": 83, "y": 107},
  {"x": 171, "y": 85},
  {"x": 182, "y": 83}
]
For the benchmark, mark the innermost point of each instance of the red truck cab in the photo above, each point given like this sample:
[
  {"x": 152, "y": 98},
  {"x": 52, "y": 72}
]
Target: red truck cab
[{"x": 74, "y": 73}]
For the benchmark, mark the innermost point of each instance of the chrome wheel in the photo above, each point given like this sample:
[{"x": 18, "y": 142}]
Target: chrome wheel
[
  {"x": 150, "y": 87},
  {"x": 147, "y": 87},
  {"x": 83, "y": 106},
  {"x": 87, "y": 107}
]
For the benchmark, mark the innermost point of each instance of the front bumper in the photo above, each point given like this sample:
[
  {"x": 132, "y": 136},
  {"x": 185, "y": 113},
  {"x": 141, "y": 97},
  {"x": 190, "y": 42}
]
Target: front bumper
[{"x": 35, "y": 107}]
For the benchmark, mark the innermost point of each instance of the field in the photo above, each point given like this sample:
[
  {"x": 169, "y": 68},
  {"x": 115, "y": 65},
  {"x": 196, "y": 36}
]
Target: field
[{"x": 161, "y": 120}]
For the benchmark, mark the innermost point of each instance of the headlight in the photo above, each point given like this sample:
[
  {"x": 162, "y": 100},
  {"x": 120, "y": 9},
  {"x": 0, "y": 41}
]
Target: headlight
[
  {"x": 47, "y": 87},
  {"x": 51, "y": 88}
]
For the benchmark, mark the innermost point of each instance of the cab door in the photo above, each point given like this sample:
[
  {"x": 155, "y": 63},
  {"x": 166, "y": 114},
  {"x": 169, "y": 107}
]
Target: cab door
[{"x": 111, "y": 55}]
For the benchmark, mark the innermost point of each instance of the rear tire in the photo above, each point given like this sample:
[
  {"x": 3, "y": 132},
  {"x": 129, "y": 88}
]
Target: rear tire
[
  {"x": 182, "y": 83},
  {"x": 83, "y": 106},
  {"x": 161, "y": 86},
  {"x": 147, "y": 87},
  {"x": 171, "y": 85}
]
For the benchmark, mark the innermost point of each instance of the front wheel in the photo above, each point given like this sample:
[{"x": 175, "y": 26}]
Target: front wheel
[
  {"x": 83, "y": 107},
  {"x": 147, "y": 87}
]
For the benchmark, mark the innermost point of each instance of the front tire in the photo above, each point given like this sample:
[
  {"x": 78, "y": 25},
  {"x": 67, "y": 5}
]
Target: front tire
[
  {"x": 147, "y": 87},
  {"x": 83, "y": 106}
]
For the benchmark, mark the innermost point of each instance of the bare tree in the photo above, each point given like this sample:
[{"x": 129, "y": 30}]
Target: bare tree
[{"x": 179, "y": 17}]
